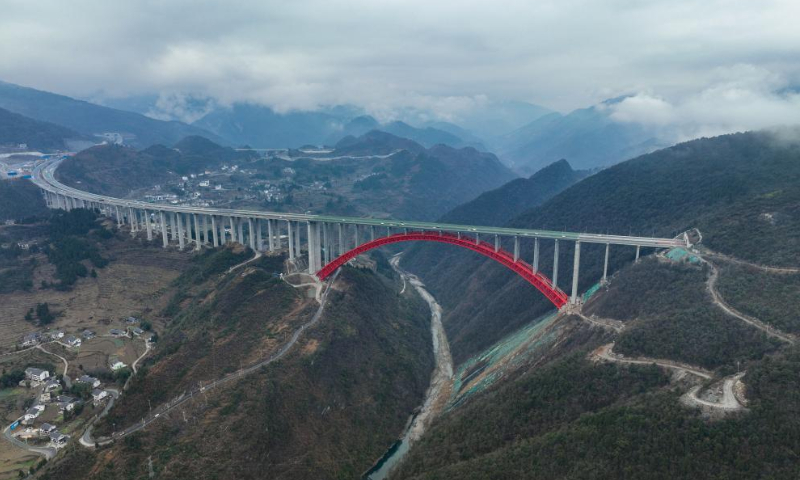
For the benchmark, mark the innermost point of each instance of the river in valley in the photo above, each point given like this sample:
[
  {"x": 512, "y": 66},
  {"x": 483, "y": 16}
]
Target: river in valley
[{"x": 439, "y": 390}]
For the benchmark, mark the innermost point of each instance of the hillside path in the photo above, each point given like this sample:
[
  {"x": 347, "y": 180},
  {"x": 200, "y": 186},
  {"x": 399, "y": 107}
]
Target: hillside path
[
  {"x": 728, "y": 401},
  {"x": 605, "y": 353},
  {"x": 716, "y": 297},
  {"x": 88, "y": 441},
  {"x": 67, "y": 381}
]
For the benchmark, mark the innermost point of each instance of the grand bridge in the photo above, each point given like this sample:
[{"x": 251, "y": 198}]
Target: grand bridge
[{"x": 331, "y": 241}]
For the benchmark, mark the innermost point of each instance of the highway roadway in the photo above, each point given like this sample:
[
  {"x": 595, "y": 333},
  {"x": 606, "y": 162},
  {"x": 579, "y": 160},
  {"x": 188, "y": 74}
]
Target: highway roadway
[{"x": 44, "y": 177}]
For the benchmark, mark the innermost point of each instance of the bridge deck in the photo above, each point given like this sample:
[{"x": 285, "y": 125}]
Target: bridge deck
[{"x": 44, "y": 177}]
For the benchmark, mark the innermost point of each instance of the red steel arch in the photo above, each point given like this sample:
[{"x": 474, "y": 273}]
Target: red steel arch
[{"x": 524, "y": 270}]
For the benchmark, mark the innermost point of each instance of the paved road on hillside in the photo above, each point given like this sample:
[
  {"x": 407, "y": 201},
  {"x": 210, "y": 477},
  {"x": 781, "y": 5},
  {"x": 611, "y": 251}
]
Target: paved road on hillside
[{"x": 46, "y": 452}]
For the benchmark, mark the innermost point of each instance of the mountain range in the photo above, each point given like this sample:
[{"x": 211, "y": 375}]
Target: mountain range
[
  {"x": 16, "y": 129},
  {"x": 92, "y": 120},
  {"x": 524, "y": 136},
  {"x": 587, "y": 137}
]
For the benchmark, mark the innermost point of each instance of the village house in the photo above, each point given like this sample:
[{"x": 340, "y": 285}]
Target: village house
[
  {"x": 36, "y": 374},
  {"x": 47, "y": 429},
  {"x": 94, "y": 382},
  {"x": 51, "y": 384},
  {"x": 98, "y": 394},
  {"x": 32, "y": 413},
  {"x": 115, "y": 332},
  {"x": 88, "y": 334},
  {"x": 31, "y": 339},
  {"x": 58, "y": 439},
  {"x": 45, "y": 397},
  {"x": 115, "y": 364},
  {"x": 73, "y": 341},
  {"x": 56, "y": 334},
  {"x": 137, "y": 331},
  {"x": 66, "y": 403}
]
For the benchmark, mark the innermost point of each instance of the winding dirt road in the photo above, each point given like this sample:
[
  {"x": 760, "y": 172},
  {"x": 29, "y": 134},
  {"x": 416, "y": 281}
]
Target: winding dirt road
[
  {"x": 728, "y": 401},
  {"x": 605, "y": 353},
  {"x": 67, "y": 381},
  {"x": 720, "y": 302}
]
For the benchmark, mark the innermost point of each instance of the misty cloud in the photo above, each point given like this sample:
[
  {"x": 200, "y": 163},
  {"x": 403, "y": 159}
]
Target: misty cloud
[
  {"x": 693, "y": 66},
  {"x": 744, "y": 97}
]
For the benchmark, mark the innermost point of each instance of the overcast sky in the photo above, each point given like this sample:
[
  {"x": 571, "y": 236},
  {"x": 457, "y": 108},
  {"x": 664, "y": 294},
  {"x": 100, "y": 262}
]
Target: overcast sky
[{"x": 708, "y": 63}]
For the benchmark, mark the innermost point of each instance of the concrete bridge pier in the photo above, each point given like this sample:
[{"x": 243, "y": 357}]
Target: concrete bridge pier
[
  {"x": 575, "y": 271},
  {"x": 215, "y": 230},
  {"x": 371, "y": 233},
  {"x": 148, "y": 225},
  {"x": 516, "y": 248},
  {"x": 270, "y": 236},
  {"x": 535, "y": 254},
  {"x": 259, "y": 238},
  {"x": 132, "y": 220},
  {"x": 164, "y": 237},
  {"x": 341, "y": 239},
  {"x": 196, "y": 232},
  {"x": 119, "y": 216},
  {"x": 290, "y": 236},
  {"x": 637, "y": 253},
  {"x": 179, "y": 223},
  {"x": 555, "y": 264},
  {"x": 240, "y": 230},
  {"x": 233, "y": 229},
  {"x": 312, "y": 247},
  {"x": 325, "y": 249},
  {"x": 605, "y": 265},
  {"x": 250, "y": 234},
  {"x": 297, "y": 238},
  {"x": 496, "y": 243}
]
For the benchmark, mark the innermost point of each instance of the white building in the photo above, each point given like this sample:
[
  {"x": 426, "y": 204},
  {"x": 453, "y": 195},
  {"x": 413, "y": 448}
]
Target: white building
[
  {"x": 98, "y": 394},
  {"x": 117, "y": 365},
  {"x": 36, "y": 374}
]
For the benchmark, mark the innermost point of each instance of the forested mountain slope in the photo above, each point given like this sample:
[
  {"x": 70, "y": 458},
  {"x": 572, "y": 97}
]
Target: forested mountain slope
[
  {"x": 578, "y": 416},
  {"x": 90, "y": 119},
  {"x": 498, "y": 206},
  {"x": 16, "y": 129},
  {"x": 116, "y": 170},
  {"x": 20, "y": 199},
  {"x": 327, "y": 409},
  {"x": 739, "y": 190}
]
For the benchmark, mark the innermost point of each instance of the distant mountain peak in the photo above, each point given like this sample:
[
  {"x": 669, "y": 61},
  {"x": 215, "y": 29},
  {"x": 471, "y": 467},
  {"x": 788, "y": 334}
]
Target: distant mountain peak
[{"x": 196, "y": 145}]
